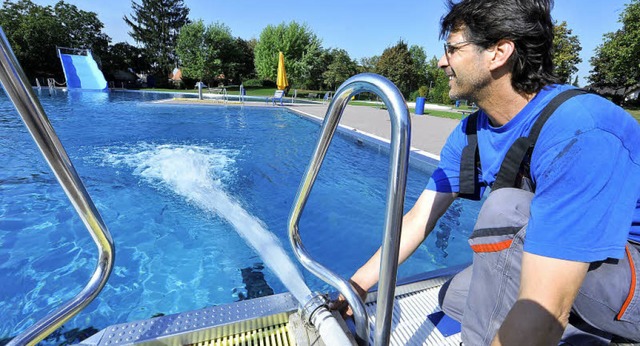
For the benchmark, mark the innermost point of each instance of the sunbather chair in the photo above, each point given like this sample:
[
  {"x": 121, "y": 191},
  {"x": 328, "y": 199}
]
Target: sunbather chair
[
  {"x": 327, "y": 97},
  {"x": 277, "y": 96}
]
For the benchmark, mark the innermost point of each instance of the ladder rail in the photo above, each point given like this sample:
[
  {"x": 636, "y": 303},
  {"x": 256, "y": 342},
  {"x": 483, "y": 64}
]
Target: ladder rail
[
  {"x": 21, "y": 94},
  {"x": 398, "y": 167}
]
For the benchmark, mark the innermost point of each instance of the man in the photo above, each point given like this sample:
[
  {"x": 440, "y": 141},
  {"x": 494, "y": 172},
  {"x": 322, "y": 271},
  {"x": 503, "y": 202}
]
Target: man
[{"x": 553, "y": 243}]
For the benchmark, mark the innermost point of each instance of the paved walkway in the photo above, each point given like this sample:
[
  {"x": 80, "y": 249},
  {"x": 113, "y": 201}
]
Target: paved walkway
[{"x": 428, "y": 133}]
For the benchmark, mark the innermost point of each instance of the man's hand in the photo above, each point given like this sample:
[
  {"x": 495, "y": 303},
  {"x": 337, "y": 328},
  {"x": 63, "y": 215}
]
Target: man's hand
[
  {"x": 416, "y": 225},
  {"x": 341, "y": 304},
  {"x": 548, "y": 287}
]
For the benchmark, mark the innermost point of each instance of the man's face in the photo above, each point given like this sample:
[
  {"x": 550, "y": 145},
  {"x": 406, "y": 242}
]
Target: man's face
[{"x": 463, "y": 63}]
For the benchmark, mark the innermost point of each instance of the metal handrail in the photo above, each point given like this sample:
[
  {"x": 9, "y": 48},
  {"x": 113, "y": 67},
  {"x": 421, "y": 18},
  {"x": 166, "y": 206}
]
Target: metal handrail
[
  {"x": 86, "y": 51},
  {"x": 21, "y": 94},
  {"x": 398, "y": 165}
]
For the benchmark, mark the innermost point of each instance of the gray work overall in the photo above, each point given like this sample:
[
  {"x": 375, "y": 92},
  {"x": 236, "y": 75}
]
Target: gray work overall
[{"x": 608, "y": 302}]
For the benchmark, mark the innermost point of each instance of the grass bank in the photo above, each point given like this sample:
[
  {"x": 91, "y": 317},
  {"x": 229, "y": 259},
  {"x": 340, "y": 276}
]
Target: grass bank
[{"x": 635, "y": 112}]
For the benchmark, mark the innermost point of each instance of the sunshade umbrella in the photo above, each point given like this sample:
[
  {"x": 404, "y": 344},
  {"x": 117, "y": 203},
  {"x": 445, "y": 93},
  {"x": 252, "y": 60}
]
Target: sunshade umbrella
[{"x": 281, "y": 81}]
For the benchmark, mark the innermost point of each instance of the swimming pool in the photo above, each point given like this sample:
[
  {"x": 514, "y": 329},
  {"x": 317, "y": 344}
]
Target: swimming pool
[{"x": 144, "y": 164}]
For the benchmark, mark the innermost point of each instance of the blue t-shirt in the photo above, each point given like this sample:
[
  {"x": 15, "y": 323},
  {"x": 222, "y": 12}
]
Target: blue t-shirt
[{"x": 586, "y": 167}]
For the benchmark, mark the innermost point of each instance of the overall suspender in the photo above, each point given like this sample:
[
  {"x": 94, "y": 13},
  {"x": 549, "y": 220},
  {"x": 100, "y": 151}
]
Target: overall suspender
[
  {"x": 514, "y": 170},
  {"x": 470, "y": 168}
]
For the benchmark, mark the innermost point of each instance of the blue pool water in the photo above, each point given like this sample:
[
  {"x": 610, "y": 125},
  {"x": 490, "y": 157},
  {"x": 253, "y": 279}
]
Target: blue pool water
[{"x": 134, "y": 156}]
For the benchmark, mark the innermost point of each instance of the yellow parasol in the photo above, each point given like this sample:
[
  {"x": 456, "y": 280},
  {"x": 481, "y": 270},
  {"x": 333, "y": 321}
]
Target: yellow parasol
[{"x": 281, "y": 81}]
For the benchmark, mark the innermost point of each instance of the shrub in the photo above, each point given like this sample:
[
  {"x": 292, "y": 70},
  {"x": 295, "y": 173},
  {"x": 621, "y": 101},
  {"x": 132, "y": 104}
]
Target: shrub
[
  {"x": 178, "y": 84},
  {"x": 423, "y": 90},
  {"x": 255, "y": 83},
  {"x": 258, "y": 83},
  {"x": 189, "y": 83},
  {"x": 413, "y": 95}
]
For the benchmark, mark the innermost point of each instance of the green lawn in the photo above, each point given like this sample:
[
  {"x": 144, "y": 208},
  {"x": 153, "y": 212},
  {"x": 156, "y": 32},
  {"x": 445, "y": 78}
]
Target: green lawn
[
  {"x": 455, "y": 115},
  {"x": 635, "y": 113},
  {"x": 441, "y": 114}
]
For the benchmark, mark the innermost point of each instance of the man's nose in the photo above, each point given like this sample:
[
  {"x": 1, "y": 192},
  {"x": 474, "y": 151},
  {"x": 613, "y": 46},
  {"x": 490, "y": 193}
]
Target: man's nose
[{"x": 443, "y": 62}]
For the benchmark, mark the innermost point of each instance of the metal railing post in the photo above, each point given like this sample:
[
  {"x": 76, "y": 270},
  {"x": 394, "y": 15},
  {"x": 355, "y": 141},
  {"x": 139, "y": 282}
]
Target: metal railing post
[
  {"x": 21, "y": 94},
  {"x": 399, "y": 161}
]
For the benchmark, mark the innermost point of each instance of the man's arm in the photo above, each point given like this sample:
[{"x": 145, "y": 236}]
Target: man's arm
[
  {"x": 416, "y": 226},
  {"x": 548, "y": 287}
]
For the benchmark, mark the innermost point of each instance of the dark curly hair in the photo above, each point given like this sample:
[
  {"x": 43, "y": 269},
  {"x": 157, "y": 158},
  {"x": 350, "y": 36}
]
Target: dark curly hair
[{"x": 527, "y": 23}]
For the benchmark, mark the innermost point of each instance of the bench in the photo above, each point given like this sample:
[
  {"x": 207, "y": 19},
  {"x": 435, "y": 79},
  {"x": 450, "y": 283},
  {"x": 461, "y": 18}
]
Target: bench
[
  {"x": 467, "y": 111},
  {"x": 327, "y": 97}
]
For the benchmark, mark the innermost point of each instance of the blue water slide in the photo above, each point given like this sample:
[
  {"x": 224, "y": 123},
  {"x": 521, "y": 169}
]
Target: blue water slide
[{"x": 82, "y": 72}]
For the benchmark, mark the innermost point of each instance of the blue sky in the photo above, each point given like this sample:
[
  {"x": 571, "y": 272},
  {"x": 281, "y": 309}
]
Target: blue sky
[{"x": 362, "y": 28}]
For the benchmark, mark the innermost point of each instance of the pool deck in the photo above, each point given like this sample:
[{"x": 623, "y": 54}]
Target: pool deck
[{"x": 428, "y": 133}]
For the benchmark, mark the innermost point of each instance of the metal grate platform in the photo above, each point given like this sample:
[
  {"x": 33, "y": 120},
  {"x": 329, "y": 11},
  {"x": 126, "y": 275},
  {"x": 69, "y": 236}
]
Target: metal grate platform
[
  {"x": 410, "y": 325},
  {"x": 277, "y": 335},
  {"x": 222, "y": 322},
  {"x": 267, "y": 321}
]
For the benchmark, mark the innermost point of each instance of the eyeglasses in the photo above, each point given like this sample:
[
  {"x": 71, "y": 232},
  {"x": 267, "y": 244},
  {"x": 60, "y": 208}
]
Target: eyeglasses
[{"x": 450, "y": 48}]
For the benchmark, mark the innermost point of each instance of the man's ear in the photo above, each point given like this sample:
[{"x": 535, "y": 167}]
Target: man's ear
[{"x": 502, "y": 52}]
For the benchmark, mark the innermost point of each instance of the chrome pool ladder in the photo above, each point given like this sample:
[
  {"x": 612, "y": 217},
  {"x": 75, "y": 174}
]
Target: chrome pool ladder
[
  {"x": 21, "y": 94},
  {"x": 398, "y": 165}
]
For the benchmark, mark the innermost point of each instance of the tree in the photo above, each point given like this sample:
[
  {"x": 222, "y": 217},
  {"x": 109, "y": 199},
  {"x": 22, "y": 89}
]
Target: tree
[
  {"x": 241, "y": 66},
  {"x": 223, "y": 50},
  {"x": 419, "y": 57},
  {"x": 616, "y": 63},
  {"x": 302, "y": 50},
  {"x": 438, "y": 83},
  {"x": 307, "y": 72},
  {"x": 155, "y": 24},
  {"x": 369, "y": 64},
  {"x": 122, "y": 57},
  {"x": 34, "y": 32},
  {"x": 193, "y": 51},
  {"x": 566, "y": 52},
  {"x": 82, "y": 29},
  {"x": 211, "y": 53},
  {"x": 340, "y": 69},
  {"x": 397, "y": 65}
]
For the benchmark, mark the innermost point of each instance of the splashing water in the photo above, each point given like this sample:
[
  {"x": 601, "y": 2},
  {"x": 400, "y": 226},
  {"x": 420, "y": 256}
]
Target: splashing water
[{"x": 194, "y": 172}]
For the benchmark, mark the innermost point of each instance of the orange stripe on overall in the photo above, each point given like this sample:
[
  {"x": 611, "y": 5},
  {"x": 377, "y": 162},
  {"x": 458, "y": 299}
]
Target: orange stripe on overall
[
  {"x": 631, "y": 289},
  {"x": 492, "y": 247}
]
